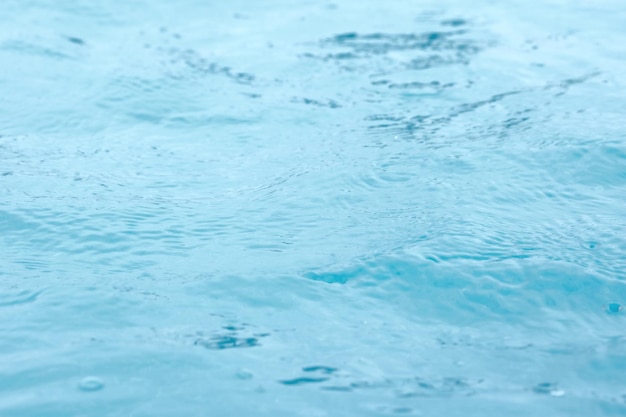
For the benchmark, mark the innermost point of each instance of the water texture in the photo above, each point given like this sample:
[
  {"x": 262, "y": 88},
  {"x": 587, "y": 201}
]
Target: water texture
[{"x": 279, "y": 208}]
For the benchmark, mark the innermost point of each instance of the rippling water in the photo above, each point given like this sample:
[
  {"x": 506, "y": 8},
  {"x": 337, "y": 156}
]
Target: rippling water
[{"x": 350, "y": 208}]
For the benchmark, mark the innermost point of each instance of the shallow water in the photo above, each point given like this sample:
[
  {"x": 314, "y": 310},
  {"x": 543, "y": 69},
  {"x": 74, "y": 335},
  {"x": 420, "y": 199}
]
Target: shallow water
[{"x": 356, "y": 208}]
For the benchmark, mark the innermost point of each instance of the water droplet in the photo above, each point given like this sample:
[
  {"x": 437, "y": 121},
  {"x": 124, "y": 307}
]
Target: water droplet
[
  {"x": 403, "y": 410},
  {"x": 548, "y": 388},
  {"x": 244, "y": 374},
  {"x": 91, "y": 384},
  {"x": 614, "y": 308}
]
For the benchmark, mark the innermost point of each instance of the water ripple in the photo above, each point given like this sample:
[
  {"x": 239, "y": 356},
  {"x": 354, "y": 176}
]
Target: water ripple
[
  {"x": 289, "y": 208},
  {"x": 22, "y": 297}
]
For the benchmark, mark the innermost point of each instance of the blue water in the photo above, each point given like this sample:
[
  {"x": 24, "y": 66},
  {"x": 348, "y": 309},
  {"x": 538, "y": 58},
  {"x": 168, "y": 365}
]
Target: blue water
[{"x": 311, "y": 208}]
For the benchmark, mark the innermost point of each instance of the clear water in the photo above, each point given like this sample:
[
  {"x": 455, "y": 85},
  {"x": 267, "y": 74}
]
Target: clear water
[{"x": 280, "y": 208}]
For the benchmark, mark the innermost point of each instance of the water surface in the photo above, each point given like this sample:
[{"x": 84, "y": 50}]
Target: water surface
[{"x": 350, "y": 208}]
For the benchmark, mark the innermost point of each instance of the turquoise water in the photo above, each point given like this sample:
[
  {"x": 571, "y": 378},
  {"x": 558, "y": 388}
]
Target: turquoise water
[{"x": 279, "y": 208}]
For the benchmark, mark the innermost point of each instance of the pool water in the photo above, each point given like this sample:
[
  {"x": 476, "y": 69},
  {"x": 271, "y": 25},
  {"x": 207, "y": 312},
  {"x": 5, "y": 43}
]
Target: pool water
[{"x": 312, "y": 208}]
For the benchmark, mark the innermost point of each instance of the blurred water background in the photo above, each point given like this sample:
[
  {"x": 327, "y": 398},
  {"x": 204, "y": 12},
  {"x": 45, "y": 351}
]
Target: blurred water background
[{"x": 312, "y": 208}]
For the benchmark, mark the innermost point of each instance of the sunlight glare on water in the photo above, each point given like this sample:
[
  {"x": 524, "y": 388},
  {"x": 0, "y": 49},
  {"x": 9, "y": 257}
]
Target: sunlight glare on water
[{"x": 346, "y": 208}]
